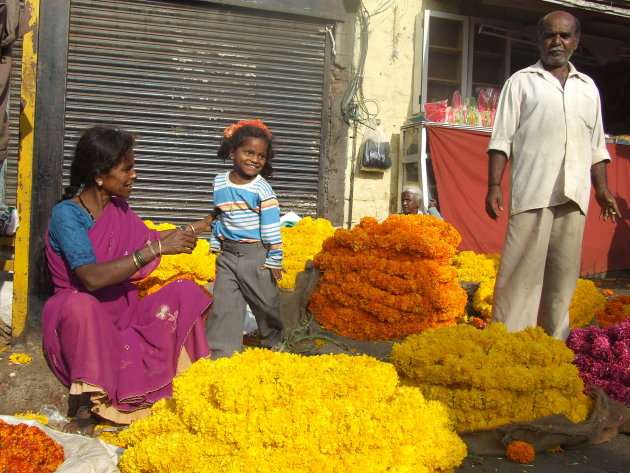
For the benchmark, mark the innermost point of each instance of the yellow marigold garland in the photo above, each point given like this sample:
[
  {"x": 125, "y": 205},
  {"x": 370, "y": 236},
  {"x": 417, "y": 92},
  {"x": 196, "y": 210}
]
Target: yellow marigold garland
[
  {"x": 615, "y": 311},
  {"x": 261, "y": 412},
  {"x": 301, "y": 243},
  {"x": 198, "y": 266},
  {"x": 386, "y": 281},
  {"x": 586, "y": 301},
  {"x": 491, "y": 377},
  {"x": 484, "y": 298},
  {"x": 476, "y": 267}
]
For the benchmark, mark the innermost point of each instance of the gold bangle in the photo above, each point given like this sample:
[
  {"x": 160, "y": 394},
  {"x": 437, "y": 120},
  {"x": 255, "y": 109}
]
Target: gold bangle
[
  {"x": 160, "y": 245},
  {"x": 192, "y": 229},
  {"x": 150, "y": 245}
]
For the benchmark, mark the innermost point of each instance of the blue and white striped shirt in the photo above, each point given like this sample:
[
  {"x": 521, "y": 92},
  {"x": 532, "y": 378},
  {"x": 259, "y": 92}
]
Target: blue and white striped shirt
[{"x": 249, "y": 212}]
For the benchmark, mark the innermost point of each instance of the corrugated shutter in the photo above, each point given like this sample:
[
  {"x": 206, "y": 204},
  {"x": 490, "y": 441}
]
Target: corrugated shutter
[{"x": 178, "y": 73}]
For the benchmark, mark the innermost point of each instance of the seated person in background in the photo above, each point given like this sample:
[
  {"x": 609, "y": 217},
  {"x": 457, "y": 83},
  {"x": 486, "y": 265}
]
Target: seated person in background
[{"x": 411, "y": 201}]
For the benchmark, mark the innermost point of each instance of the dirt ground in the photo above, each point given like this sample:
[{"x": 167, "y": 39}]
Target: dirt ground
[{"x": 31, "y": 386}]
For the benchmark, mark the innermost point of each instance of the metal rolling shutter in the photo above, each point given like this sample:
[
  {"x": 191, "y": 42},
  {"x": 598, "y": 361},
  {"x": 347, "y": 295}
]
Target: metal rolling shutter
[
  {"x": 178, "y": 73},
  {"x": 13, "y": 111}
]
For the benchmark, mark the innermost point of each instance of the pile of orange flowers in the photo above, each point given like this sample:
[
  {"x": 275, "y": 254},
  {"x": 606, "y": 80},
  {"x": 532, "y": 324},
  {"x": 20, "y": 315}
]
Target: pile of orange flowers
[
  {"x": 615, "y": 311},
  {"x": 384, "y": 281},
  {"x": 26, "y": 449}
]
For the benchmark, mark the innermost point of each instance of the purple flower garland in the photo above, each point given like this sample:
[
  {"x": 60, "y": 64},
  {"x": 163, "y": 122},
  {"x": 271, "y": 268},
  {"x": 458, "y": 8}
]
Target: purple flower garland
[{"x": 603, "y": 358}]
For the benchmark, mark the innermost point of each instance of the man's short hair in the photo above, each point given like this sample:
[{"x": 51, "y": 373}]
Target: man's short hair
[
  {"x": 413, "y": 190},
  {"x": 541, "y": 25}
]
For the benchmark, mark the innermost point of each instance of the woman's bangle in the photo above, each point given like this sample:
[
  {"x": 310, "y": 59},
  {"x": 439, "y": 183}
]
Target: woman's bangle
[
  {"x": 182, "y": 227},
  {"x": 135, "y": 259},
  {"x": 160, "y": 246},
  {"x": 192, "y": 229},
  {"x": 150, "y": 245},
  {"x": 493, "y": 184},
  {"x": 140, "y": 258}
]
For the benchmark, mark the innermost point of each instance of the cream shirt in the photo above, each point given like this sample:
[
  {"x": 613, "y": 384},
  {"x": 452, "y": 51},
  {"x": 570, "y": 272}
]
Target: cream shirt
[{"x": 552, "y": 136}]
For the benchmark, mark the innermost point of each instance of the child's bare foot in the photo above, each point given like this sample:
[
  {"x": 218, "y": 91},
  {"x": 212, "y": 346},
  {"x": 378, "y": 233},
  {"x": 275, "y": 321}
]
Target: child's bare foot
[{"x": 83, "y": 423}]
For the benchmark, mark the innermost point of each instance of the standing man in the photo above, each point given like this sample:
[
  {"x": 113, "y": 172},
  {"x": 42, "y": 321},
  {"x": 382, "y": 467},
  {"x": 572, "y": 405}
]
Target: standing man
[{"x": 549, "y": 124}]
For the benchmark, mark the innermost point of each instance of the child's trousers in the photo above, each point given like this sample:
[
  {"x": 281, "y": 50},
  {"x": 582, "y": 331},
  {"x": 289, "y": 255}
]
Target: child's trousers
[{"x": 240, "y": 281}]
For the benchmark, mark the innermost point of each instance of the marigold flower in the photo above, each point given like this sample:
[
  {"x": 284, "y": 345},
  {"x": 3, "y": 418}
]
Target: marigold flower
[
  {"x": 19, "y": 359},
  {"x": 384, "y": 281},
  {"x": 27, "y": 449},
  {"x": 229, "y": 131},
  {"x": 261, "y": 412},
  {"x": 301, "y": 243},
  {"x": 41, "y": 418},
  {"x": 198, "y": 266},
  {"x": 615, "y": 311},
  {"x": 608, "y": 292},
  {"x": 520, "y": 452},
  {"x": 476, "y": 267},
  {"x": 482, "y": 374}
]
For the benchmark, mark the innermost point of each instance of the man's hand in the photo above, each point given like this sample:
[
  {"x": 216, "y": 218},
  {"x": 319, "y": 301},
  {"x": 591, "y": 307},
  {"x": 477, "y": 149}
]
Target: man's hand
[
  {"x": 608, "y": 205},
  {"x": 432, "y": 203},
  {"x": 494, "y": 202},
  {"x": 275, "y": 272}
]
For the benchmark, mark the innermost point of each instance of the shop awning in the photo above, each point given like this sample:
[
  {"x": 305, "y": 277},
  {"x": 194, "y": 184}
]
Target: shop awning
[{"x": 618, "y": 8}]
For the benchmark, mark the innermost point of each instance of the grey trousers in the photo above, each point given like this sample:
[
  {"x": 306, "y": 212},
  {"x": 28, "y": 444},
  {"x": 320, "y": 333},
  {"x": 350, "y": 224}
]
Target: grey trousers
[
  {"x": 539, "y": 269},
  {"x": 240, "y": 281}
]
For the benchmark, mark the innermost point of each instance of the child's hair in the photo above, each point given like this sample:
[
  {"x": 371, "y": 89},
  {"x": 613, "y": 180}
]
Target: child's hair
[
  {"x": 235, "y": 135},
  {"x": 99, "y": 149}
]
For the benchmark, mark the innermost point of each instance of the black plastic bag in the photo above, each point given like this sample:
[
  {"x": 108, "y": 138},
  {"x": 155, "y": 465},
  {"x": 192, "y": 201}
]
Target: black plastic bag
[{"x": 375, "y": 155}]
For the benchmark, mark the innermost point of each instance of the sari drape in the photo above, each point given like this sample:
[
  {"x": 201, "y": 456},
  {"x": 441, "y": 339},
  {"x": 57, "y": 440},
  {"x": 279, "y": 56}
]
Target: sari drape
[{"x": 127, "y": 348}]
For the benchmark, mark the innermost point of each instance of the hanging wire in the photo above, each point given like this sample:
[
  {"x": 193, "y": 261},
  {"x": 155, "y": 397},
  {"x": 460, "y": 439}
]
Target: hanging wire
[{"x": 354, "y": 106}]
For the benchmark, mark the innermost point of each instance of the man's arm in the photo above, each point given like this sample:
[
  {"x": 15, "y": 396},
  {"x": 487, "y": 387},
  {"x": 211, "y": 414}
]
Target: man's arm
[
  {"x": 497, "y": 161},
  {"x": 603, "y": 195}
]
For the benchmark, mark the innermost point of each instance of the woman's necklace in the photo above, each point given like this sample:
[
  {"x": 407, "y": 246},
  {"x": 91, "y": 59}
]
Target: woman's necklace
[{"x": 86, "y": 209}]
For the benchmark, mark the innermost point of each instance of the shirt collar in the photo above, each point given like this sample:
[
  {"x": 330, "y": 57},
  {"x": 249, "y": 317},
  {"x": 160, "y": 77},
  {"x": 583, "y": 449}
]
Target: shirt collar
[{"x": 538, "y": 67}]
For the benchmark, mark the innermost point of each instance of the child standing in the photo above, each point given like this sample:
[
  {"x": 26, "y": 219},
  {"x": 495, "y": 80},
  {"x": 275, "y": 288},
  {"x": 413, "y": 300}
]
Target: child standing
[{"x": 246, "y": 234}]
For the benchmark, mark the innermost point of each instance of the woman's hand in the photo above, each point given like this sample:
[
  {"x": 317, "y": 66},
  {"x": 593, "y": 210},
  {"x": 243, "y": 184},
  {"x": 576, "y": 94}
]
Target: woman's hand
[{"x": 178, "y": 241}]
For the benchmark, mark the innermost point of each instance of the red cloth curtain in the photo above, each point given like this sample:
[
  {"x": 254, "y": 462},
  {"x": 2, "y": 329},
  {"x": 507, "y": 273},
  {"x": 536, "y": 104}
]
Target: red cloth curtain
[{"x": 460, "y": 164}]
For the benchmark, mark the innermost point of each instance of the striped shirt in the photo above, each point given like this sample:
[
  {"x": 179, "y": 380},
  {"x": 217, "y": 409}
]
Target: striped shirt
[{"x": 249, "y": 212}]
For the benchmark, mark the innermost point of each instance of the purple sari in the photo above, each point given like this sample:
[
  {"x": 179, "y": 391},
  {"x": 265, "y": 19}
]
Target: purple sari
[{"x": 126, "y": 347}]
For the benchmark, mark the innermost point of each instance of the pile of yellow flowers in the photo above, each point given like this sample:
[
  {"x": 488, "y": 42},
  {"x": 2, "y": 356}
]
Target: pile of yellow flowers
[
  {"x": 490, "y": 377},
  {"x": 383, "y": 281},
  {"x": 301, "y": 243},
  {"x": 262, "y": 412},
  {"x": 198, "y": 266},
  {"x": 476, "y": 267},
  {"x": 586, "y": 302}
]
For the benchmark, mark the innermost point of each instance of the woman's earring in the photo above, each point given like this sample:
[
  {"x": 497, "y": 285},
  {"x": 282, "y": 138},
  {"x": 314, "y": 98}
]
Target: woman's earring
[{"x": 100, "y": 183}]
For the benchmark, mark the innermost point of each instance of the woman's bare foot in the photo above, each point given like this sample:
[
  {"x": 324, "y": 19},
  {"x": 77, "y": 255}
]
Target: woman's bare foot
[{"x": 83, "y": 423}]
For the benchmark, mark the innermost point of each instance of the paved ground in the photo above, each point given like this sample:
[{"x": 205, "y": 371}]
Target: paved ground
[{"x": 28, "y": 387}]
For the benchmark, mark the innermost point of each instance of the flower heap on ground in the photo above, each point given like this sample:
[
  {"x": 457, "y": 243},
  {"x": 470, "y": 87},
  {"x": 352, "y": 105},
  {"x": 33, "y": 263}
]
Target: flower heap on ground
[
  {"x": 27, "y": 449},
  {"x": 474, "y": 267},
  {"x": 603, "y": 357},
  {"x": 615, "y": 311},
  {"x": 198, "y": 266},
  {"x": 301, "y": 243},
  {"x": 263, "y": 412},
  {"x": 384, "y": 281},
  {"x": 491, "y": 377},
  {"x": 587, "y": 300}
]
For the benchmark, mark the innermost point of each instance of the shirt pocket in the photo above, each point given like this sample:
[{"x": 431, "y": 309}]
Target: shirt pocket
[{"x": 587, "y": 112}]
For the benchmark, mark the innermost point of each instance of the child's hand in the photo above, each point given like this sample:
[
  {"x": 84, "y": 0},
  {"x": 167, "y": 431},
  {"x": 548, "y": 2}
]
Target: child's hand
[{"x": 275, "y": 272}]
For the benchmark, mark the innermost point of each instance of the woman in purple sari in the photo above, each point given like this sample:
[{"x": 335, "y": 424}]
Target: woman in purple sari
[{"x": 101, "y": 341}]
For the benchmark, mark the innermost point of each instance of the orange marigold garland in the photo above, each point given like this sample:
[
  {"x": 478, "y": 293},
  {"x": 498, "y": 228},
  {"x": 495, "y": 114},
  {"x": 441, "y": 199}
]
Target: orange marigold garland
[
  {"x": 389, "y": 280},
  {"x": 615, "y": 311},
  {"x": 520, "y": 452},
  {"x": 26, "y": 449},
  {"x": 229, "y": 131}
]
